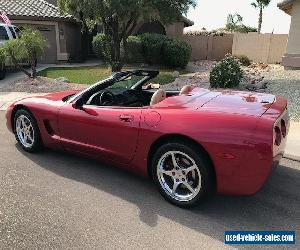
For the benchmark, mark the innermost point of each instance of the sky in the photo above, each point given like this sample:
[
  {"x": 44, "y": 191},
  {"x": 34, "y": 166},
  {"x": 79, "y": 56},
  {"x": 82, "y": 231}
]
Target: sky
[{"x": 212, "y": 14}]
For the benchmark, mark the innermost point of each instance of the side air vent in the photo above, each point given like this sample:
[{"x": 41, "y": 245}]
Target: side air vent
[
  {"x": 48, "y": 127},
  {"x": 277, "y": 136}
]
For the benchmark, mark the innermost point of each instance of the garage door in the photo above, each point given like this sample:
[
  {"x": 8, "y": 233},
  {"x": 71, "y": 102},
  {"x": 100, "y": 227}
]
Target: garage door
[{"x": 50, "y": 55}]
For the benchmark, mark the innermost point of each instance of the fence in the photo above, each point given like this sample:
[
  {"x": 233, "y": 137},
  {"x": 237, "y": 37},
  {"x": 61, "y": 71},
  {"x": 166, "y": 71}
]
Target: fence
[
  {"x": 209, "y": 47},
  {"x": 266, "y": 48}
]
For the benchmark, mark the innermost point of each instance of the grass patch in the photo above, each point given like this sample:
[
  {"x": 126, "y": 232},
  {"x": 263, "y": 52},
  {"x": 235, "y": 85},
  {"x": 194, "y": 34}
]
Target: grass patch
[
  {"x": 81, "y": 75},
  {"x": 91, "y": 75}
]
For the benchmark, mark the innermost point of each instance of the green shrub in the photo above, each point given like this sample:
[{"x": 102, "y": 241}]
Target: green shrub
[
  {"x": 101, "y": 46},
  {"x": 226, "y": 74},
  {"x": 29, "y": 47},
  {"x": 153, "y": 47},
  {"x": 177, "y": 53},
  {"x": 244, "y": 60},
  {"x": 134, "y": 50}
]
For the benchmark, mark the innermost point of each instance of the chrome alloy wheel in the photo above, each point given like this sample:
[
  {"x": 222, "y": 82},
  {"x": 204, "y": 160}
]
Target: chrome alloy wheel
[
  {"x": 179, "y": 175},
  {"x": 25, "y": 131}
]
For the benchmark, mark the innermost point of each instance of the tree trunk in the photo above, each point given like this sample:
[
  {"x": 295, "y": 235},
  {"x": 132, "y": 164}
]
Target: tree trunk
[
  {"x": 33, "y": 68},
  {"x": 260, "y": 19},
  {"x": 125, "y": 49},
  {"x": 116, "y": 62}
]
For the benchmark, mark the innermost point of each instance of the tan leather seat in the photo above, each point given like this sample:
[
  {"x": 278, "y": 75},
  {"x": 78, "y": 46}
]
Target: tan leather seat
[
  {"x": 158, "y": 96},
  {"x": 186, "y": 90}
]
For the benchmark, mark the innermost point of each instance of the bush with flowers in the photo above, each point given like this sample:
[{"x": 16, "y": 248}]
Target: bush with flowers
[{"x": 227, "y": 73}]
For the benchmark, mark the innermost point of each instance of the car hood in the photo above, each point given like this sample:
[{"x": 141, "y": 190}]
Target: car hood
[
  {"x": 225, "y": 101},
  {"x": 58, "y": 96}
]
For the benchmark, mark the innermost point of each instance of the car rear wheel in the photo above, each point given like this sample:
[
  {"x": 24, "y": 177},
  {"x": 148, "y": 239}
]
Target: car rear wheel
[
  {"x": 26, "y": 131},
  {"x": 182, "y": 174}
]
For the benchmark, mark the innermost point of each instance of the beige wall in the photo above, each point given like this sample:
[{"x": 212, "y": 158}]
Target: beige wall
[
  {"x": 292, "y": 57},
  {"x": 209, "y": 47},
  {"x": 294, "y": 36},
  {"x": 266, "y": 48},
  {"x": 175, "y": 29}
]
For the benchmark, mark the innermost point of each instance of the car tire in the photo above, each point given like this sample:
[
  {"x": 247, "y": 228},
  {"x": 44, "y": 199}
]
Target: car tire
[
  {"x": 189, "y": 180},
  {"x": 27, "y": 132}
]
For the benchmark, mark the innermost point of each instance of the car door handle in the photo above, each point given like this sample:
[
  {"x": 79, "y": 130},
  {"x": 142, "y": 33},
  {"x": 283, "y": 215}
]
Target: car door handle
[{"x": 126, "y": 118}]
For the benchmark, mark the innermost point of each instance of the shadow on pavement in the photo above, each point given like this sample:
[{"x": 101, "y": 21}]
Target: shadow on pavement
[{"x": 275, "y": 207}]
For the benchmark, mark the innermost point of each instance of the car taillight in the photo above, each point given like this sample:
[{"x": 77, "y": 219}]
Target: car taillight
[
  {"x": 283, "y": 128},
  {"x": 277, "y": 136}
]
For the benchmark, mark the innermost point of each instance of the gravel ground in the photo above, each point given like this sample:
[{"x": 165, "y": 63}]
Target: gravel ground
[
  {"x": 40, "y": 85},
  {"x": 285, "y": 83}
]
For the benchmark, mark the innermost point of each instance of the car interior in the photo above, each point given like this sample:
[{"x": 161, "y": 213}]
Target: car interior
[{"x": 133, "y": 89}]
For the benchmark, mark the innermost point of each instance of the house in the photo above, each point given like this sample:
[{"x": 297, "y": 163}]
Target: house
[
  {"x": 291, "y": 58},
  {"x": 61, "y": 31},
  {"x": 172, "y": 30}
]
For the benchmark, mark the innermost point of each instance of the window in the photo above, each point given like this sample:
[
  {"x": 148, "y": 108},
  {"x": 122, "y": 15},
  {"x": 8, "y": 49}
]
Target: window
[
  {"x": 12, "y": 32},
  {"x": 18, "y": 31},
  {"x": 3, "y": 33}
]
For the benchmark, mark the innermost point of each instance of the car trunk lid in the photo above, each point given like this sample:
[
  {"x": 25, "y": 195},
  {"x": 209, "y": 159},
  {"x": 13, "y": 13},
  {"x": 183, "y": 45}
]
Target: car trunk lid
[{"x": 238, "y": 102}]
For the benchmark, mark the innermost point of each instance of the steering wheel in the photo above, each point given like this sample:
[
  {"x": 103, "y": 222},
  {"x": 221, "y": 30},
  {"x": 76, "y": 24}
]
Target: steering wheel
[
  {"x": 107, "y": 97},
  {"x": 102, "y": 98}
]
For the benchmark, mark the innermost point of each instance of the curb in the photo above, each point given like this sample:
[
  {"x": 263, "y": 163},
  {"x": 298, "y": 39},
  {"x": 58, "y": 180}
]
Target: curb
[{"x": 292, "y": 157}]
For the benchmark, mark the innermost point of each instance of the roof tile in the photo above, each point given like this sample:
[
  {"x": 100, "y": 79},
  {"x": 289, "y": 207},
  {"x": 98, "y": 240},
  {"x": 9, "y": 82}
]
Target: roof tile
[{"x": 31, "y": 8}]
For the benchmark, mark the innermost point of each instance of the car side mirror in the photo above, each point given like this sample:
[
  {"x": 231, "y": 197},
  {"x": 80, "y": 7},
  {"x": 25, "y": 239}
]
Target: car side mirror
[{"x": 77, "y": 104}]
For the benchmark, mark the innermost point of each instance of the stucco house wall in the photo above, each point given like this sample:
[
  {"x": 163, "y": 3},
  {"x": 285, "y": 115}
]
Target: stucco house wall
[
  {"x": 291, "y": 58},
  {"x": 61, "y": 32}
]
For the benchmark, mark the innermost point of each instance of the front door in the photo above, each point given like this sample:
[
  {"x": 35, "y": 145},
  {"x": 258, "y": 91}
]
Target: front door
[{"x": 108, "y": 132}]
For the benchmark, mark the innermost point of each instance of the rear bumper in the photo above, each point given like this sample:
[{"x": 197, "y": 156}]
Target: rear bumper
[
  {"x": 257, "y": 164},
  {"x": 246, "y": 184}
]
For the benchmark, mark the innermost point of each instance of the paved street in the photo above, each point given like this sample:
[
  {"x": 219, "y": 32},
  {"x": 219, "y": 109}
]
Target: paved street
[{"x": 55, "y": 200}]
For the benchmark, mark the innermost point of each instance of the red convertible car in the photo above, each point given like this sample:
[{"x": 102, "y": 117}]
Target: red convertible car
[{"x": 192, "y": 142}]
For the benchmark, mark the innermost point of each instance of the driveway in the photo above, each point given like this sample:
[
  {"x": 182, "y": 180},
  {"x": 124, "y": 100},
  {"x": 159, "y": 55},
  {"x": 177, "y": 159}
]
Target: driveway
[{"x": 56, "y": 200}]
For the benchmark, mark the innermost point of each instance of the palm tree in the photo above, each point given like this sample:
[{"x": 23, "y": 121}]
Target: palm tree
[{"x": 260, "y": 4}]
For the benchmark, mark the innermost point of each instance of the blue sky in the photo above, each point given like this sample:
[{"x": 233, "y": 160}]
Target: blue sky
[{"x": 212, "y": 14}]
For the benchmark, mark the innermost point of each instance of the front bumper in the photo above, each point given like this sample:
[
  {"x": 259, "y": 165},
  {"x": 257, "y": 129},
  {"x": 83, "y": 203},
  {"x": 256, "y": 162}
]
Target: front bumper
[{"x": 8, "y": 116}]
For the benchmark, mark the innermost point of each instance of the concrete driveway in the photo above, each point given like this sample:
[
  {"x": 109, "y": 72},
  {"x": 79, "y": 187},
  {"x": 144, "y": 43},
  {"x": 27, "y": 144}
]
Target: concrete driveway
[{"x": 56, "y": 200}]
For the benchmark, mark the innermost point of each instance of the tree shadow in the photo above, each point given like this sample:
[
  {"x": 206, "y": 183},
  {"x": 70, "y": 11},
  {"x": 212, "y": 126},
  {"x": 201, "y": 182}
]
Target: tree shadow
[{"x": 275, "y": 207}]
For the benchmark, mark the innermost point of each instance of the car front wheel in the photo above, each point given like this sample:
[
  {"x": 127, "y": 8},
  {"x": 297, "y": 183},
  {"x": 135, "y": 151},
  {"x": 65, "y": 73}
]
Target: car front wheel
[
  {"x": 182, "y": 174},
  {"x": 26, "y": 131}
]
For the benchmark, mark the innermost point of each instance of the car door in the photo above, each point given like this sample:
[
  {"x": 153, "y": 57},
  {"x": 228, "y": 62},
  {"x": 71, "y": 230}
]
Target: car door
[{"x": 102, "y": 132}]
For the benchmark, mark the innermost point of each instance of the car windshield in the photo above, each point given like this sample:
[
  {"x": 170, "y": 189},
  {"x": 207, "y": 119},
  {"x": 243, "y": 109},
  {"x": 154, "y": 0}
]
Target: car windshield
[{"x": 127, "y": 83}]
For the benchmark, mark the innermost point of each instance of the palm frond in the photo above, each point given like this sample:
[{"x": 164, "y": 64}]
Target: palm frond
[{"x": 254, "y": 5}]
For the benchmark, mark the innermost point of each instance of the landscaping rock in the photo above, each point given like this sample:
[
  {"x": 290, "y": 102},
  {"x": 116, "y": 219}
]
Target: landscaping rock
[
  {"x": 62, "y": 79},
  {"x": 40, "y": 85},
  {"x": 251, "y": 87},
  {"x": 261, "y": 84},
  {"x": 175, "y": 74}
]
